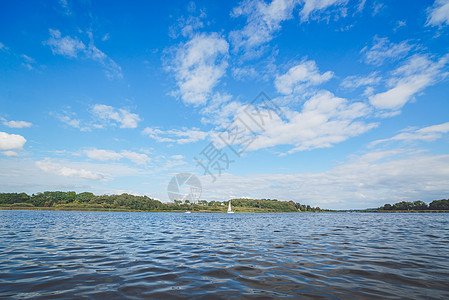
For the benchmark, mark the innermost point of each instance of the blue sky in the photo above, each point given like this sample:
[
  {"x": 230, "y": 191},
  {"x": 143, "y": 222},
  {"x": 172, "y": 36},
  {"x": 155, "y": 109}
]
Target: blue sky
[{"x": 114, "y": 97}]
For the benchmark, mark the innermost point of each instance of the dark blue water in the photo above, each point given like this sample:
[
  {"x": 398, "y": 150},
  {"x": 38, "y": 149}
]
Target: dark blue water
[{"x": 165, "y": 255}]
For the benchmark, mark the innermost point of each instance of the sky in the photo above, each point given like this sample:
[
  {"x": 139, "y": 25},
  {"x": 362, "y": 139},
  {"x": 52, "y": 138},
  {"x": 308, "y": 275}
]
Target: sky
[{"x": 334, "y": 103}]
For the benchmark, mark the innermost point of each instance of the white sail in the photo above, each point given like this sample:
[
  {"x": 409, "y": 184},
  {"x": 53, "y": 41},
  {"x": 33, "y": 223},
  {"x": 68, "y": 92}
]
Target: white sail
[{"x": 229, "y": 208}]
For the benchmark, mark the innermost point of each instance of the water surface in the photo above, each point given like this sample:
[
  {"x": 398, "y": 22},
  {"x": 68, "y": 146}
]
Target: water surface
[{"x": 119, "y": 255}]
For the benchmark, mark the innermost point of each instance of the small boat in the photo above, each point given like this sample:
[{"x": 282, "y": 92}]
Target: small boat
[
  {"x": 188, "y": 212},
  {"x": 229, "y": 208}
]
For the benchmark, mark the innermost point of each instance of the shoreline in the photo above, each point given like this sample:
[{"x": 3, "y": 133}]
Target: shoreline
[{"x": 210, "y": 211}]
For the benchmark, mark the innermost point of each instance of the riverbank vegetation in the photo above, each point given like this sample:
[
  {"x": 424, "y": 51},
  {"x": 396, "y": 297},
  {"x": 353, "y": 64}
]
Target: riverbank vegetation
[
  {"x": 125, "y": 202},
  {"x": 435, "y": 205}
]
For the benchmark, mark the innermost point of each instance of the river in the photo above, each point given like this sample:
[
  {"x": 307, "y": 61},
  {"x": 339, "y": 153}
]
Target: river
[{"x": 120, "y": 255}]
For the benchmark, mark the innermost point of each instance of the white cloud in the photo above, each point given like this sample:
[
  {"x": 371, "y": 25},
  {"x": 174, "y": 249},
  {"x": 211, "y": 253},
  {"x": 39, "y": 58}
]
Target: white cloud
[
  {"x": 263, "y": 21},
  {"x": 426, "y": 134},
  {"x": 73, "y": 48},
  {"x": 102, "y": 116},
  {"x": 183, "y": 136},
  {"x": 358, "y": 81},
  {"x": 75, "y": 123},
  {"x": 245, "y": 73},
  {"x": 16, "y": 124},
  {"x": 399, "y": 24},
  {"x": 311, "y": 6},
  {"x": 324, "y": 120},
  {"x": 198, "y": 66},
  {"x": 108, "y": 155},
  {"x": 186, "y": 27},
  {"x": 370, "y": 180},
  {"x": 361, "y": 5},
  {"x": 10, "y": 153},
  {"x": 28, "y": 62},
  {"x": 384, "y": 50},
  {"x": 47, "y": 166},
  {"x": 65, "y": 46},
  {"x": 103, "y": 155},
  {"x": 125, "y": 118},
  {"x": 299, "y": 77},
  {"x": 111, "y": 68},
  {"x": 412, "y": 77},
  {"x": 220, "y": 110},
  {"x": 65, "y": 6},
  {"x": 137, "y": 158},
  {"x": 11, "y": 141},
  {"x": 378, "y": 7},
  {"x": 438, "y": 13},
  {"x": 3, "y": 47},
  {"x": 106, "y": 37}
]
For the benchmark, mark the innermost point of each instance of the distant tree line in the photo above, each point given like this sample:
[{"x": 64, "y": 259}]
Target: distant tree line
[
  {"x": 274, "y": 204},
  {"x": 87, "y": 200},
  {"x": 442, "y": 204},
  {"x": 81, "y": 200}
]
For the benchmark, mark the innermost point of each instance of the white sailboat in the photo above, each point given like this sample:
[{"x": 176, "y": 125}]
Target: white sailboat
[{"x": 229, "y": 208}]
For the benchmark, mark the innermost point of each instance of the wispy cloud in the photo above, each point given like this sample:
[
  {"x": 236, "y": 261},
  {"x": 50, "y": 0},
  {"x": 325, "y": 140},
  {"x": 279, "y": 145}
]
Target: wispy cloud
[
  {"x": 183, "y": 136},
  {"x": 417, "y": 73},
  {"x": 74, "y": 48},
  {"x": 111, "y": 115},
  {"x": 438, "y": 14},
  {"x": 16, "y": 124},
  {"x": 198, "y": 66},
  {"x": 352, "y": 82},
  {"x": 3, "y": 47},
  {"x": 110, "y": 155},
  {"x": 28, "y": 62},
  {"x": 384, "y": 50},
  {"x": 47, "y": 165},
  {"x": 66, "y": 46},
  {"x": 187, "y": 26},
  {"x": 425, "y": 134},
  {"x": 101, "y": 117},
  {"x": 312, "y": 6},
  {"x": 263, "y": 21},
  {"x": 299, "y": 77},
  {"x": 65, "y": 7}
]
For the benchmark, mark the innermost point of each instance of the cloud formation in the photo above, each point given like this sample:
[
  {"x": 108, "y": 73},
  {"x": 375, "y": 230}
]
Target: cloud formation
[
  {"x": 198, "y": 66},
  {"x": 352, "y": 82},
  {"x": 74, "y": 48},
  {"x": 16, "y": 124},
  {"x": 66, "y": 46},
  {"x": 417, "y": 73},
  {"x": 425, "y": 134},
  {"x": 263, "y": 21},
  {"x": 438, "y": 14},
  {"x": 299, "y": 77},
  {"x": 183, "y": 136},
  {"x": 121, "y": 116},
  {"x": 110, "y": 155},
  {"x": 383, "y": 50},
  {"x": 10, "y": 143},
  {"x": 324, "y": 120},
  {"x": 48, "y": 166},
  {"x": 369, "y": 180}
]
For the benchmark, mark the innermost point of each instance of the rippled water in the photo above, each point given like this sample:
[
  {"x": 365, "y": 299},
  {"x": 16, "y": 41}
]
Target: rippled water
[{"x": 58, "y": 254}]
